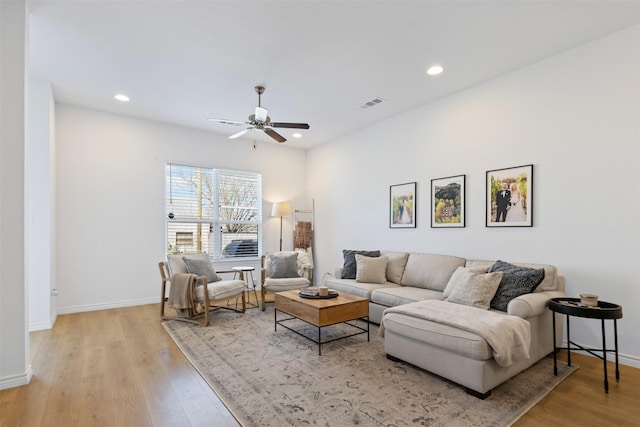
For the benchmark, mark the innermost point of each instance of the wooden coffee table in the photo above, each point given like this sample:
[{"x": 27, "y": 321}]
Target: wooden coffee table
[{"x": 322, "y": 312}]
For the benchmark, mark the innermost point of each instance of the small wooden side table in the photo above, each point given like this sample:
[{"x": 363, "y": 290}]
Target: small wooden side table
[{"x": 604, "y": 310}]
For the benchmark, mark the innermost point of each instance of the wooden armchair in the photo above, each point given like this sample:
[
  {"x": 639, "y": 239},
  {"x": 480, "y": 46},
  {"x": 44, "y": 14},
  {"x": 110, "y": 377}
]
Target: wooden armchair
[
  {"x": 192, "y": 296},
  {"x": 299, "y": 279}
]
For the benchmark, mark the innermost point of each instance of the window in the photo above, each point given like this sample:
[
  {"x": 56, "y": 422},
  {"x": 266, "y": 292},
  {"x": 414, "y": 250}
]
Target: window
[{"x": 213, "y": 211}]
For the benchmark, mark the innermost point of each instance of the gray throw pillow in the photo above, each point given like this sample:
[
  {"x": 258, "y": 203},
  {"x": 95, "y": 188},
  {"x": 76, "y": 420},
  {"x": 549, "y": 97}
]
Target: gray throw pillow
[
  {"x": 350, "y": 267},
  {"x": 201, "y": 267},
  {"x": 515, "y": 281},
  {"x": 284, "y": 265}
]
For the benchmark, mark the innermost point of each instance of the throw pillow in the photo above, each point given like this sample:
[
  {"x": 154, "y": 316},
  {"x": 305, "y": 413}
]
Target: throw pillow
[
  {"x": 396, "y": 264},
  {"x": 370, "y": 269},
  {"x": 349, "y": 268},
  {"x": 461, "y": 276},
  {"x": 516, "y": 281},
  {"x": 477, "y": 290},
  {"x": 284, "y": 265},
  {"x": 201, "y": 267}
]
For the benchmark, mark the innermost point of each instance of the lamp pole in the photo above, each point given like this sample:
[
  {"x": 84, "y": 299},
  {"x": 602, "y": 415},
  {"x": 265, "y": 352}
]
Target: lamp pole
[{"x": 281, "y": 209}]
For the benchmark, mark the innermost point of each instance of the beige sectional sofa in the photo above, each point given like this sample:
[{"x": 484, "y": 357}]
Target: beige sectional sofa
[{"x": 444, "y": 348}]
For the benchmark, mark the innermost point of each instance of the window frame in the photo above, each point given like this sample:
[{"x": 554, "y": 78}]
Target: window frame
[{"x": 216, "y": 241}]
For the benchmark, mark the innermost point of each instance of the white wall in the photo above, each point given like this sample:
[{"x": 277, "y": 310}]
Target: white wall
[
  {"x": 110, "y": 200},
  {"x": 40, "y": 230},
  {"x": 14, "y": 344},
  {"x": 575, "y": 117}
]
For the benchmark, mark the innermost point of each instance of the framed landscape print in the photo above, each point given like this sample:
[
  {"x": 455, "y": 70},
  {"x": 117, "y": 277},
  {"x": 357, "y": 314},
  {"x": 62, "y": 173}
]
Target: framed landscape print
[
  {"x": 510, "y": 197},
  {"x": 402, "y": 205},
  {"x": 447, "y": 202}
]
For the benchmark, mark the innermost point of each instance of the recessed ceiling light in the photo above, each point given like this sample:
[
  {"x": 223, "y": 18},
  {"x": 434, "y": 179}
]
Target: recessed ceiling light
[
  {"x": 297, "y": 135},
  {"x": 121, "y": 97},
  {"x": 434, "y": 70}
]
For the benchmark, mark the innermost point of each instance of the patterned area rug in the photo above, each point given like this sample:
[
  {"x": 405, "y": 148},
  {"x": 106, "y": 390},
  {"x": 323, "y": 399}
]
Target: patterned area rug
[{"x": 276, "y": 378}]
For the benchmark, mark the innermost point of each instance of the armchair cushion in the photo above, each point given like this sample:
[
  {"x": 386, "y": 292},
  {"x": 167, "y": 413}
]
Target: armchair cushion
[
  {"x": 284, "y": 265},
  {"x": 201, "y": 267},
  {"x": 221, "y": 289},
  {"x": 285, "y": 284}
]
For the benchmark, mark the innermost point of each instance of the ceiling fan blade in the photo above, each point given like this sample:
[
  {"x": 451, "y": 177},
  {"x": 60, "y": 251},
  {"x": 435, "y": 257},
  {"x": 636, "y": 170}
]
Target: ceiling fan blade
[
  {"x": 239, "y": 134},
  {"x": 227, "y": 122},
  {"x": 275, "y": 135},
  {"x": 261, "y": 114},
  {"x": 290, "y": 125}
]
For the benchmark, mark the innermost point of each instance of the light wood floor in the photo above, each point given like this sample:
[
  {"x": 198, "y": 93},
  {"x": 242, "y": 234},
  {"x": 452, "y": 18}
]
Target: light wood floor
[{"x": 120, "y": 368}]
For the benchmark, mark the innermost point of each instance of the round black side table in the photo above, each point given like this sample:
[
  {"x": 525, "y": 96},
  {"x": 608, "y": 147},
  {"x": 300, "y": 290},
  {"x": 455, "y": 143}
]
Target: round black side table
[{"x": 604, "y": 310}]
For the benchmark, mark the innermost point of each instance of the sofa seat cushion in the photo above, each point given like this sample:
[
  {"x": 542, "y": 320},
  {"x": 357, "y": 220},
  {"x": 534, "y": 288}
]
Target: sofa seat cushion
[
  {"x": 286, "y": 284},
  {"x": 446, "y": 337},
  {"x": 430, "y": 271},
  {"x": 221, "y": 289},
  {"x": 360, "y": 289},
  {"x": 391, "y": 297}
]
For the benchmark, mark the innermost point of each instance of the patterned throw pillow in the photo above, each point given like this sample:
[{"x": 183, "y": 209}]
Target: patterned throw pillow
[
  {"x": 350, "y": 268},
  {"x": 201, "y": 267},
  {"x": 516, "y": 281},
  {"x": 284, "y": 265}
]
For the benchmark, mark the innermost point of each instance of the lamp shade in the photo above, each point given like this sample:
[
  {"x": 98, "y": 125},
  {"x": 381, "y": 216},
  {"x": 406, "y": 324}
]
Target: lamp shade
[{"x": 281, "y": 209}]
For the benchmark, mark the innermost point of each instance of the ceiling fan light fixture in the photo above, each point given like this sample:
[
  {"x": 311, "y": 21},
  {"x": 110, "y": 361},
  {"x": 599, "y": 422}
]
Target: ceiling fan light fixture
[
  {"x": 121, "y": 97},
  {"x": 434, "y": 70},
  {"x": 297, "y": 135}
]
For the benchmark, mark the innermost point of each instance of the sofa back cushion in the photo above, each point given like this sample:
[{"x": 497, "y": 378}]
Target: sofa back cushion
[
  {"x": 397, "y": 261},
  {"x": 430, "y": 271},
  {"x": 549, "y": 283}
]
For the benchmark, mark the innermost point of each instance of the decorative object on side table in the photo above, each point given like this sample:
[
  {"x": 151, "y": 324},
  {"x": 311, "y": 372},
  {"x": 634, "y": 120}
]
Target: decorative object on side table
[
  {"x": 510, "y": 197},
  {"x": 402, "y": 205},
  {"x": 603, "y": 311},
  {"x": 448, "y": 202}
]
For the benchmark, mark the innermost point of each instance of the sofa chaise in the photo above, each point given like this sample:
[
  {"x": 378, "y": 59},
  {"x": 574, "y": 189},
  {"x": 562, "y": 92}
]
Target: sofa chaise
[{"x": 420, "y": 283}]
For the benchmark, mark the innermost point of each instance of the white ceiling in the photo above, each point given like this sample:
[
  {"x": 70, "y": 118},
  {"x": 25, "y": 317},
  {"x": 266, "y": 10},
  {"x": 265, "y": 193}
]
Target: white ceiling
[{"x": 183, "y": 61}]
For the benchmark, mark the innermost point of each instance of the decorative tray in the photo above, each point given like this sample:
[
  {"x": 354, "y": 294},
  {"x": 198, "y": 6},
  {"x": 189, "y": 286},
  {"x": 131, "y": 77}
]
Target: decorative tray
[{"x": 331, "y": 295}]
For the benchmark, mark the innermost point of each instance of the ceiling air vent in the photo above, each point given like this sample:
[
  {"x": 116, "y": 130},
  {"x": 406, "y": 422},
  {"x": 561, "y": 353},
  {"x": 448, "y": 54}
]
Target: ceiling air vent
[{"x": 372, "y": 103}]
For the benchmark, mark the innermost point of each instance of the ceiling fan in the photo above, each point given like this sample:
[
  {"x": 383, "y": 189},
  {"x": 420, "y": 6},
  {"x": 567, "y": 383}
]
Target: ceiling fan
[{"x": 260, "y": 120}]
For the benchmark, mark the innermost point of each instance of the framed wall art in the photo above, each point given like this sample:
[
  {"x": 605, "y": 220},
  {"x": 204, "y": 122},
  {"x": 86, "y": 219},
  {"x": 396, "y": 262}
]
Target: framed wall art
[
  {"x": 447, "y": 202},
  {"x": 402, "y": 205},
  {"x": 510, "y": 197}
]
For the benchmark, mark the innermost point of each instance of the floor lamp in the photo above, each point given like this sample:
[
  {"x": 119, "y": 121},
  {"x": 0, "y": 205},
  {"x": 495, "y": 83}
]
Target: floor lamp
[{"x": 281, "y": 209}]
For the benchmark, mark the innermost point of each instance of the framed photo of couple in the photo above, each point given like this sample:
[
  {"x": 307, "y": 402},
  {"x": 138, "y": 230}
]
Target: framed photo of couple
[
  {"x": 402, "y": 205},
  {"x": 510, "y": 197}
]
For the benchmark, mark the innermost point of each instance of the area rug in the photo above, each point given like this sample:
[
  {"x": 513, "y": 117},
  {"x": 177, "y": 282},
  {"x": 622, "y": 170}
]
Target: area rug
[{"x": 277, "y": 378}]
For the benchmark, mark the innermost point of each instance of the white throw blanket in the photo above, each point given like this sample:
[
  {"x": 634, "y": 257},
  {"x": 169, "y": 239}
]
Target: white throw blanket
[{"x": 508, "y": 336}]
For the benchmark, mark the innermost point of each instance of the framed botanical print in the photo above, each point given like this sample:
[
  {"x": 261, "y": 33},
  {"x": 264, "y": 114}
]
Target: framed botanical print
[
  {"x": 510, "y": 197},
  {"x": 448, "y": 202},
  {"x": 402, "y": 205}
]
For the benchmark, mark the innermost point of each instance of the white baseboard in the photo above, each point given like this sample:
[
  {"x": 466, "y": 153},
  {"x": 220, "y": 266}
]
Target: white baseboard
[
  {"x": 42, "y": 326},
  {"x": 16, "y": 380},
  {"x": 107, "y": 306}
]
